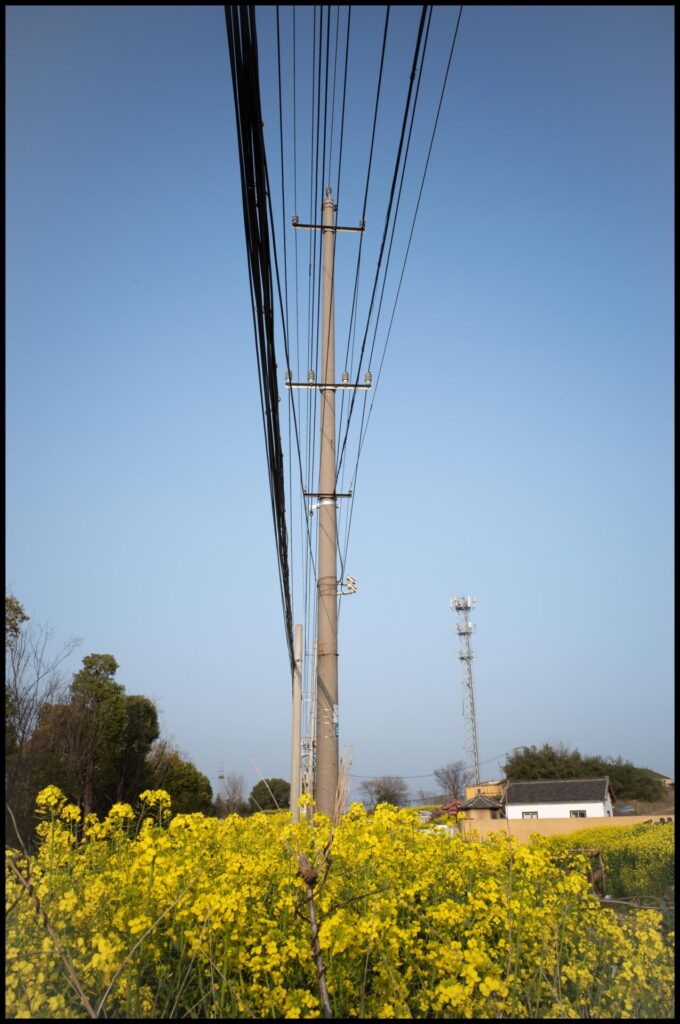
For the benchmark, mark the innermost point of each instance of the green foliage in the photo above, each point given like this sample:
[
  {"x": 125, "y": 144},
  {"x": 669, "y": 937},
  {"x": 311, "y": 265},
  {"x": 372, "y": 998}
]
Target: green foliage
[
  {"x": 547, "y": 762},
  {"x": 94, "y": 745},
  {"x": 631, "y": 783},
  {"x": 269, "y": 794},
  {"x": 141, "y": 732},
  {"x": 189, "y": 789},
  {"x": 97, "y": 720},
  {"x": 15, "y": 617},
  {"x": 90, "y": 739}
]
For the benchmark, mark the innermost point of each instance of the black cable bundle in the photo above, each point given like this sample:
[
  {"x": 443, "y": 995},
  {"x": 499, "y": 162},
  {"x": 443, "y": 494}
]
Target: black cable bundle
[{"x": 242, "y": 39}]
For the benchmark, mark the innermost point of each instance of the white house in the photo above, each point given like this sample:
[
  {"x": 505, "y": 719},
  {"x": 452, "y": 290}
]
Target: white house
[{"x": 559, "y": 798}]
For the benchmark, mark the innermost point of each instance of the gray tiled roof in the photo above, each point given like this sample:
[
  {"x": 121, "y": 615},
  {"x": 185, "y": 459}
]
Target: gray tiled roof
[
  {"x": 557, "y": 791},
  {"x": 480, "y": 802}
]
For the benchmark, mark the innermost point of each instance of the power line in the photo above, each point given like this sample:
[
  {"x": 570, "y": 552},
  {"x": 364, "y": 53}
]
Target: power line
[
  {"x": 342, "y": 117},
  {"x": 363, "y": 211},
  {"x": 386, "y": 227},
  {"x": 430, "y": 775},
  {"x": 259, "y": 230},
  {"x": 364, "y": 426}
]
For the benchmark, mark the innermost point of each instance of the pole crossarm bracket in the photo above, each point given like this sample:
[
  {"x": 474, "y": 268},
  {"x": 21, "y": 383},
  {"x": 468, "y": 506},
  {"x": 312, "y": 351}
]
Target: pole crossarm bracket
[
  {"x": 329, "y": 387},
  {"x": 326, "y": 227},
  {"x": 325, "y": 499},
  {"x": 318, "y": 494}
]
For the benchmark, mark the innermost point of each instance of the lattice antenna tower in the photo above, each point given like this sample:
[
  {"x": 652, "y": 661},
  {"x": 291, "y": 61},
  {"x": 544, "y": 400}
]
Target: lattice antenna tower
[{"x": 463, "y": 606}]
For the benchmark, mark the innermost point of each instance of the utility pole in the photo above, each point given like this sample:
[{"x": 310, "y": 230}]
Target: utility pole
[
  {"x": 327, "y": 758},
  {"x": 295, "y": 738},
  {"x": 327, "y": 716}
]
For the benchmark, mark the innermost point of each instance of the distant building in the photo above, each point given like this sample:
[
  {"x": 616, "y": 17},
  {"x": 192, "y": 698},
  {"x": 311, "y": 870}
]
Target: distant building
[
  {"x": 559, "y": 798},
  {"x": 494, "y": 790},
  {"x": 665, "y": 780}
]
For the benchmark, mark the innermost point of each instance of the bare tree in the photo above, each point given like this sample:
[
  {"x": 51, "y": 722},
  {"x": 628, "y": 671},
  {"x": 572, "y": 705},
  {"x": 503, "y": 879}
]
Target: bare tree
[
  {"x": 453, "y": 778},
  {"x": 388, "y": 789},
  {"x": 32, "y": 681},
  {"x": 231, "y": 798},
  {"x": 427, "y": 796}
]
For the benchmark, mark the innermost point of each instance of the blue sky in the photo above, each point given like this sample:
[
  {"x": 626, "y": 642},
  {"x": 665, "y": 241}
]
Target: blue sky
[{"x": 520, "y": 446}]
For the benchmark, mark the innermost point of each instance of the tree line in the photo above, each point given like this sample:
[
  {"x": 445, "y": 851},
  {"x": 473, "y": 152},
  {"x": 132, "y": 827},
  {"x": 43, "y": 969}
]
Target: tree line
[
  {"x": 97, "y": 743},
  {"x": 548, "y": 762},
  {"x": 101, "y": 745},
  {"x": 525, "y": 763}
]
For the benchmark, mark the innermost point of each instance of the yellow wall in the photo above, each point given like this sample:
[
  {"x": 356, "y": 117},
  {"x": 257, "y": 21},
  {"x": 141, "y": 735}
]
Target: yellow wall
[
  {"x": 522, "y": 830},
  {"x": 482, "y": 814},
  {"x": 494, "y": 790}
]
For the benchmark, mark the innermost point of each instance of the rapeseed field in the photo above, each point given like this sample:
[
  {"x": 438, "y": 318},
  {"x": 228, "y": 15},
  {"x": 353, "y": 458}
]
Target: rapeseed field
[{"x": 146, "y": 915}]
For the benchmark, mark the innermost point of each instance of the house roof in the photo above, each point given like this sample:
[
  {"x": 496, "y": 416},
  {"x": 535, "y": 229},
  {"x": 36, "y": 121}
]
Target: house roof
[
  {"x": 480, "y": 802},
  {"x": 557, "y": 791},
  {"x": 452, "y": 807},
  {"x": 659, "y": 775}
]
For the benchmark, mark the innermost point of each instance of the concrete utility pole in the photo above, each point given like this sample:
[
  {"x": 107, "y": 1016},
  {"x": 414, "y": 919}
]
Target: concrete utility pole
[
  {"x": 327, "y": 758},
  {"x": 295, "y": 739},
  {"x": 327, "y": 718}
]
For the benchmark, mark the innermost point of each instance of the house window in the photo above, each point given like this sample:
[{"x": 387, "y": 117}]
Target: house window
[
  {"x": 577, "y": 814},
  {"x": 529, "y": 814}
]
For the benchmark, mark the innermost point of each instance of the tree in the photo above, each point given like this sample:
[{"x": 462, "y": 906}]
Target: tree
[
  {"x": 94, "y": 745},
  {"x": 631, "y": 783},
  {"x": 452, "y": 779},
  {"x": 232, "y": 796},
  {"x": 33, "y": 681},
  {"x": 389, "y": 789},
  {"x": 32, "y": 678},
  {"x": 428, "y": 796},
  {"x": 547, "y": 762},
  {"x": 141, "y": 732},
  {"x": 189, "y": 789},
  {"x": 95, "y": 725},
  {"x": 269, "y": 794}
]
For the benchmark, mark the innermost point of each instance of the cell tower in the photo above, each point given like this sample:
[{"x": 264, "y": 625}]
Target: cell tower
[{"x": 464, "y": 605}]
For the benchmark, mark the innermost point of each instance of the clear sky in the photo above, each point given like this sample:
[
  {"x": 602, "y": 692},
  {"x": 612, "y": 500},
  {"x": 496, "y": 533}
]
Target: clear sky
[{"x": 520, "y": 447}]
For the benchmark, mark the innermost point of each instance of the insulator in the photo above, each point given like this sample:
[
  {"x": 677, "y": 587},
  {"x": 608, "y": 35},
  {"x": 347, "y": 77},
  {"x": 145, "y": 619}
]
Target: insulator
[
  {"x": 311, "y": 376},
  {"x": 368, "y": 376},
  {"x": 345, "y": 377}
]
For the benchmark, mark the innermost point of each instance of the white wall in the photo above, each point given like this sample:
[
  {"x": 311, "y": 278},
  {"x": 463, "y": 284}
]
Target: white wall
[{"x": 598, "y": 809}]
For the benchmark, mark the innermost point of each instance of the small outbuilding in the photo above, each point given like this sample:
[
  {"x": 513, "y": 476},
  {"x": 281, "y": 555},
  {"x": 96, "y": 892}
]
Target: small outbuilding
[{"x": 482, "y": 808}]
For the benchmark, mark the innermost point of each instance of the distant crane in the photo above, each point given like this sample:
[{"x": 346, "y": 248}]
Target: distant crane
[{"x": 464, "y": 605}]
